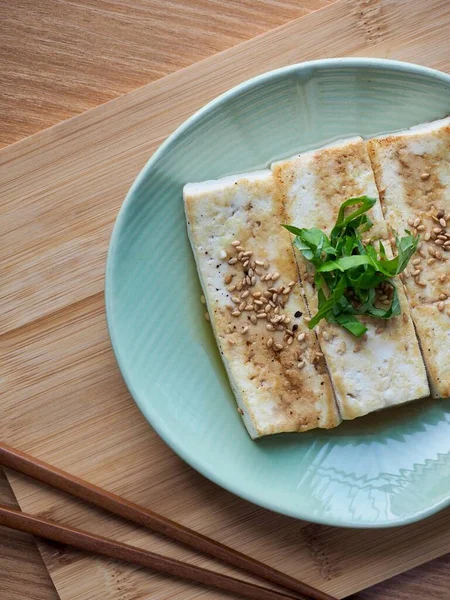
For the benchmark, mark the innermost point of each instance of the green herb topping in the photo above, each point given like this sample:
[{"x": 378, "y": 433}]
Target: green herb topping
[{"x": 349, "y": 272}]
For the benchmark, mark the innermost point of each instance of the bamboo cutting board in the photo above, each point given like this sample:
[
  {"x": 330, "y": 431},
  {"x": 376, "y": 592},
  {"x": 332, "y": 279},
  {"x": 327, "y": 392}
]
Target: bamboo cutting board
[{"x": 66, "y": 403}]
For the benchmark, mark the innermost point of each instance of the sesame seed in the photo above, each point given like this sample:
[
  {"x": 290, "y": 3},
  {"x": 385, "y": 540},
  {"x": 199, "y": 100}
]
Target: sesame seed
[
  {"x": 245, "y": 329},
  {"x": 278, "y": 347},
  {"x": 240, "y": 255},
  {"x": 431, "y": 261},
  {"x": 287, "y": 320},
  {"x": 440, "y": 306},
  {"x": 248, "y": 281},
  {"x": 416, "y": 261},
  {"x": 437, "y": 230},
  {"x": 301, "y": 336},
  {"x": 258, "y": 302},
  {"x": 261, "y": 315},
  {"x": 245, "y": 294},
  {"x": 416, "y": 272},
  {"x": 424, "y": 176},
  {"x": 342, "y": 348},
  {"x": 249, "y": 307},
  {"x": 235, "y": 299},
  {"x": 422, "y": 253},
  {"x": 438, "y": 255},
  {"x": 290, "y": 340},
  {"x": 252, "y": 264},
  {"x": 442, "y": 296},
  {"x": 417, "y": 222},
  {"x": 274, "y": 297},
  {"x": 269, "y": 343},
  {"x": 326, "y": 336},
  {"x": 439, "y": 242},
  {"x": 223, "y": 254},
  {"x": 260, "y": 263},
  {"x": 248, "y": 253},
  {"x": 236, "y": 243},
  {"x": 245, "y": 264},
  {"x": 291, "y": 284},
  {"x": 256, "y": 294},
  {"x": 253, "y": 280},
  {"x": 270, "y": 327},
  {"x": 307, "y": 319},
  {"x": 420, "y": 283},
  {"x": 443, "y": 222},
  {"x": 421, "y": 228},
  {"x": 232, "y": 261},
  {"x": 239, "y": 286},
  {"x": 240, "y": 249},
  {"x": 266, "y": 264},
  {"x": 263, "y": 277},
  {"x": 442, "y": 237},
  {"x": 251, "y": 272},
  {"x": 427, "y": 236},
  {"x": 228, "y": 279},
  {"x": 253, "y": 319},
  {"x": 404, "y": 318},
  {"x": 231, "y": 341},
  {"x": 236, "y": 313},
  {"x": 410, "y": 221},
  {"x": 275, "y": 276},
  {"x": 202, "y": 299},
  {"x": 258, "y": 271},
  {"x": 446, "y": 244},
  {"x": 442, "y": 278},
  {"x": 206, "y": 315}
]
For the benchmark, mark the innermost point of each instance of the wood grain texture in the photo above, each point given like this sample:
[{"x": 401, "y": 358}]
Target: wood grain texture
[
  {"x": 61, "y": 190},
  {"x": 21, "y": 565},
  {"x": 60, "y": 57}
]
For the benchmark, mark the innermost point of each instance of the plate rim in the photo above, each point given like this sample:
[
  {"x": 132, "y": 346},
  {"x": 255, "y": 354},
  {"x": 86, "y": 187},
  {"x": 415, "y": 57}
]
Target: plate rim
[{"x": 150, "y": 415}]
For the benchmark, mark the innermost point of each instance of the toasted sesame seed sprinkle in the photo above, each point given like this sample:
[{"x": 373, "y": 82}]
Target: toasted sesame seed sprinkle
[
  {"x": 270, "y": 327},
  {"x": 424, "y": 176},
  {"x": 248, "y": 253},
  {"x": 249, "y": 307},
  {"x": 232, "y": 261},
  {"x": 417, "y": 222},
  {"x": 443, "y": 222},
  {"x": 410, "y": 221},
  {"x": 260, "y": 263},
  {"x": 278, "y": 347},
  {"x": 439, "y": 242},
  {"x": 236, "y": 243},
  {"x": 253, "y": 319},
  {"x": 301, "y": 364},
  {"x": 231, "y": 341},
  {"x": 258, "y": 302},
  {"x": 423, "y": 254},
  {"x": 258, "y": 271},
  {"x": 206, "y": 315},
  {"x": 245, "y": 329},
  {"x": 421, "y": 228},
  {"x": 245, "y": 264},
  {"x": 442, "y": 278},
  {"x": 236, "y": 313},
  {"x": 291, "y": 284},
  {"x": 252, "y": 264},
  {"x": 431, "y": 261},
  {"x": 240, "y": 255},
  {"x": 437, "y": 230},
  {"x": 438, "y": 255},
  {"x": 326, "y": 336},
  {"x": 253, "y": 280},
  {"x": 416, "y": 261},
  {"x": 223, "y": 254},
  {"x": 240, "y": 249},
  {"x": 261, "y": 315},
  {"x": 228, "y": 279},
  {"x": 440, "y": 306},
  {"x": 269, "y": 343},
  {"x": 442, "y": 296},
  {"x": 427, "y": 236},
  {"x": 245, "y": 294},
  {"x": 420, "y": 283},
  {"x": 266, "y": 264},
  {"x": 202, "y": 299},
  {"x": 301, "y": 336},
  {"x": 275, "y": 276},
  {"x": 290, "y": 340}
]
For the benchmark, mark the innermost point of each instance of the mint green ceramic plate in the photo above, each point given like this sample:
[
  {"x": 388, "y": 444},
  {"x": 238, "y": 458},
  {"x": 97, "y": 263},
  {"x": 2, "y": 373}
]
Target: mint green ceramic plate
[{"x": 386, "y": 469}]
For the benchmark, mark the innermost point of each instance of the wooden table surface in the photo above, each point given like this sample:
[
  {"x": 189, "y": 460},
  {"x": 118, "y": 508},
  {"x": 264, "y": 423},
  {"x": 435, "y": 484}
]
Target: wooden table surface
[{"x": 62, "y": 57}]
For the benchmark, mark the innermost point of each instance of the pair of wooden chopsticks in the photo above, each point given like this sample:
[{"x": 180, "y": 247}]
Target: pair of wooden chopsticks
[{"x": 15, "y": 519}]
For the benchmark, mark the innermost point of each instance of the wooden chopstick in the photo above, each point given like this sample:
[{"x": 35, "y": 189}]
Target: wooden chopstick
[
  {"x": 89, "y": 542},
  {"x": 54, "y": 477}
]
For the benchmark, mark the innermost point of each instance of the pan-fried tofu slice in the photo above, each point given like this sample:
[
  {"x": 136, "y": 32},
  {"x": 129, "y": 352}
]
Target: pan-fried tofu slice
[
  {"x": 386, "y": 368},
  {"x": 412, "y": 170},
  {"x": 250, "y": 281}
]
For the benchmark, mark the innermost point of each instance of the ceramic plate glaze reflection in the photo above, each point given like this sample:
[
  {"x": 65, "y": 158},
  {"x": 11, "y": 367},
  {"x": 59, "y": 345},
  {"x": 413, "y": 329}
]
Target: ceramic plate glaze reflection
[{"x": 386, "y": 469}]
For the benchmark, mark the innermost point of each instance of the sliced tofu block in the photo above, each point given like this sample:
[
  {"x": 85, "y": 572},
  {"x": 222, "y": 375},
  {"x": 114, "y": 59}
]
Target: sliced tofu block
[
  {"x": 412, "y": 171},
  {"x": 241, "y": 251},
  {"x": 386, "y": 368}
]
